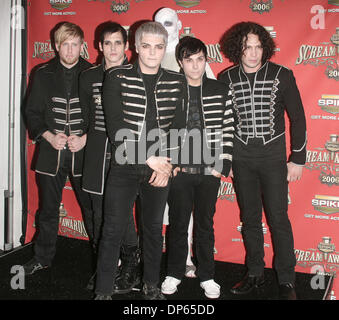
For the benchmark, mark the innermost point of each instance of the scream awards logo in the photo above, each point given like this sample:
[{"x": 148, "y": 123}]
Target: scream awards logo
[
  {"x": 326, "y": 160},
  {"x": 325, "y": 254},
  {"x": 214, "y": 53},
  {"x": 324, "y": 54},
  {"x": 45, "y": 51},
  {"x": 226, "y": 191},
  {"x": 69, "y": 226},
  {"x": 213, "y": 50}
]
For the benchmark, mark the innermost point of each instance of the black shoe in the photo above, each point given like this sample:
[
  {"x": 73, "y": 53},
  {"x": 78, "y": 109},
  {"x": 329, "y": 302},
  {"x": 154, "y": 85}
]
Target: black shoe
[
  {"x": 247, "y": 284},
  {"x": 103, "y": 297},
  {"x": 287, "y": 292},
  {"x": 130, "y": 274},
  {"x": 33, "y": 266},
  {"x": 126, "y": 282},
  {"x": 151, "y": 292}
]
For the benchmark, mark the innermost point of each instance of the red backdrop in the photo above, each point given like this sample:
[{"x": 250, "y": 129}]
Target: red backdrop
[{"x": 307, "y": 37}]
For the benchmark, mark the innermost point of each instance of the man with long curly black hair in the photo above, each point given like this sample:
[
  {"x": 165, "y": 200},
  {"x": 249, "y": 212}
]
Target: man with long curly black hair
[{"x": 262, "y": 91}]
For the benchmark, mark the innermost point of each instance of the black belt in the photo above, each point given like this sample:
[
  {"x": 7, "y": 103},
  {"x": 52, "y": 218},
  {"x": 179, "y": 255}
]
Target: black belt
[{"x": 193, "y": 170}]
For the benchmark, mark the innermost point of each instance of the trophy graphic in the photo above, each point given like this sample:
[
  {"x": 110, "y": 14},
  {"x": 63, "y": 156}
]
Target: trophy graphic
[
  {"x": 332, "y": 145},
  {"x": 62, "y": 210},
  {"x": 187, "y": 32},
  {"x": 326, "y": 247}
]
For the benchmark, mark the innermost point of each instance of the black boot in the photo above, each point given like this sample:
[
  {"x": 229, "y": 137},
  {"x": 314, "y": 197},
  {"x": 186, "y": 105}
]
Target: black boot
[
  {"x": 130, "y": 274},
  {"x": 287, "y": 291},
  {"x": 247, "y": 284}
]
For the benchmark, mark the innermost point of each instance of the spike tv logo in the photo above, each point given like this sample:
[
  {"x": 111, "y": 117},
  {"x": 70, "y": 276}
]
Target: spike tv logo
[
  {"x": 329, "y": 103},
  {"x": 326, "y": 204},
  {"x": 324, "y": 54},
  {"x": 273, "y": 34},
  {"x": 325, "y": 254},
  {"x": 264, "y": 228},
  {"x": 187, "y": 3},
  {"x": 60, "y": 4},
  {"x": 326, "y": 160}
]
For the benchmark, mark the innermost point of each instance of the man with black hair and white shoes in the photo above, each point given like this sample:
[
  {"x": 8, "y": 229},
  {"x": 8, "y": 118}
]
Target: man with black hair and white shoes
[{"x": 205, "y": 156}]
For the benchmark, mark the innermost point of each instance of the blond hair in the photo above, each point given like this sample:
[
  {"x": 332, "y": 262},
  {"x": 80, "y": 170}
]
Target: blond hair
[
  {"x": 66, "y": 30},
  {"x": 154, "y": 28}
]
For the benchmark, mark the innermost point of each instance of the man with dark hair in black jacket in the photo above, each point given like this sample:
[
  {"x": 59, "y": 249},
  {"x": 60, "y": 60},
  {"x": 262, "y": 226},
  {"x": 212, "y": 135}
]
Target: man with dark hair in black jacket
[
  {"x": 205, "y": 155},
  {"x": 261, "y": 92},
  {"x": 57, "y": 122},
  {"x": 113, "y": 45}
]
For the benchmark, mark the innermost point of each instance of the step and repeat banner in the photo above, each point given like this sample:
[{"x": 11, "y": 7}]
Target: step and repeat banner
[{"x": 307, "y": 37}]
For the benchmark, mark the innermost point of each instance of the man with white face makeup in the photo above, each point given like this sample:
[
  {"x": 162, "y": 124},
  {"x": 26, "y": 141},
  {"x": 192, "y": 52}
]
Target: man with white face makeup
[
  {"x": 170, "y": 20},
  {"x": 140, "y": 101}
]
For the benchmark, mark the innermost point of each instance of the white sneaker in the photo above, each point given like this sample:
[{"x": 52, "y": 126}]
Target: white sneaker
[
  {"x": 169, "y": 286},
  {"x": 212, "y": 289}
]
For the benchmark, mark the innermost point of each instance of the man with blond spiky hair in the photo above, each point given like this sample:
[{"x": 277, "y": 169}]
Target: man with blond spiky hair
[{"x": 56, "y": 121}]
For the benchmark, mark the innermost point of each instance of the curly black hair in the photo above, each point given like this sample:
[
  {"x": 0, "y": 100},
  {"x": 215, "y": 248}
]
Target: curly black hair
[{"x": 232, "y": 41}]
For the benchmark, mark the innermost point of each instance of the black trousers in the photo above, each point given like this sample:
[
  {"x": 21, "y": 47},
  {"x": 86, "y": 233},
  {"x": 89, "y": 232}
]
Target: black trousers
[
  {"x": 197, "y": 193},
  {"x": 130, "y": 239},
  {"x": 124, "y": 184},
  {"x": 50, "y": 196},
  {"x": 263, "y": 184}
]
